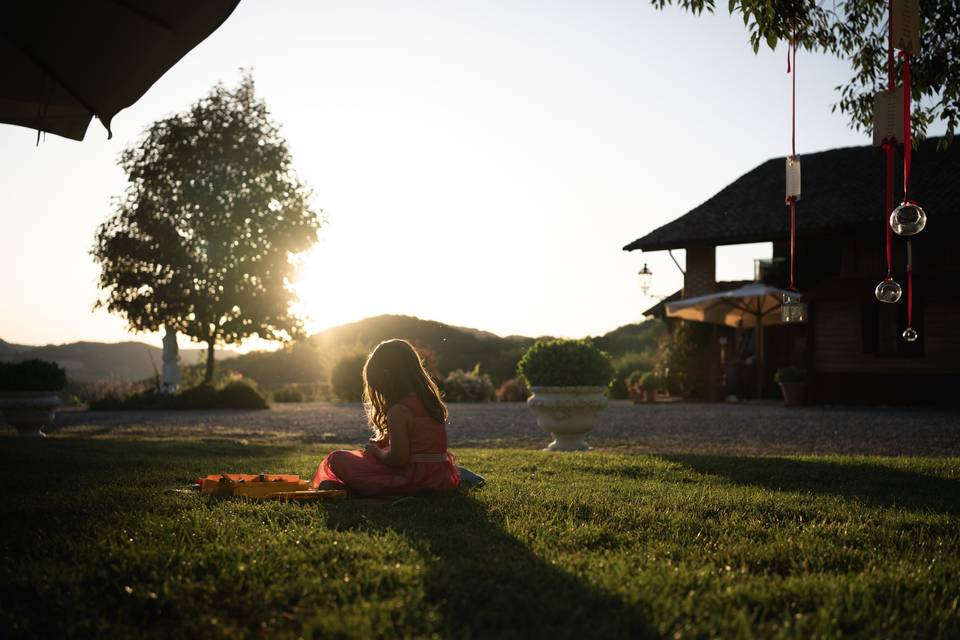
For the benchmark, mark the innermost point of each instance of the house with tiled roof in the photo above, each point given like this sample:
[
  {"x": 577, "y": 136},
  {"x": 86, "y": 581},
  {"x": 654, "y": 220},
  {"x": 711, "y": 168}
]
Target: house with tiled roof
[{"x": 851, "y": 344}]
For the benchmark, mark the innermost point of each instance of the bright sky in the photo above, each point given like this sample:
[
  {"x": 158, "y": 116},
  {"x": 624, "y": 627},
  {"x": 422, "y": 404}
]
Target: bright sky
[{"x": 479, "y": 163}]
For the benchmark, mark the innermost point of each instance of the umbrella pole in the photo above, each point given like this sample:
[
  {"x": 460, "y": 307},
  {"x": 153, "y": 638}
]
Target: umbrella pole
[{"x": 759, "y": 357}]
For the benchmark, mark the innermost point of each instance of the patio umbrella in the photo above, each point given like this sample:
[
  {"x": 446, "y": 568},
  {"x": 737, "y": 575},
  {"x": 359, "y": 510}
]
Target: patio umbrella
[
  {"x": 754, "y": 305},
  {"x": 66, "y": 61}
]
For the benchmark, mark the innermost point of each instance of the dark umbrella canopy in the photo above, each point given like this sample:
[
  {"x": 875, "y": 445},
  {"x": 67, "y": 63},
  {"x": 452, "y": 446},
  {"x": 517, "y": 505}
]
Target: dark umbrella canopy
[{"x": 66, "y": 61}]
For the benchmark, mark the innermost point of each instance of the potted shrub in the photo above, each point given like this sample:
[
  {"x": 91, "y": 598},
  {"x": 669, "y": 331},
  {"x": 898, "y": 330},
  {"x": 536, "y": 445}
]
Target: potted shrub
[
  {"x": 567, "y": 378},
  {"x": 793, "y": 384},
  {"x": 632, "y": 384},
  {"x": 28, "y": 394},
  {"x": 649, "y": 382}
]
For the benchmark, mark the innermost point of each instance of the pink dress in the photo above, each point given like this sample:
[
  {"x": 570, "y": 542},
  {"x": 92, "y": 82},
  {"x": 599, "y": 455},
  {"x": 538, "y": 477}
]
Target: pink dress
[{"x": 431, "y": 466}]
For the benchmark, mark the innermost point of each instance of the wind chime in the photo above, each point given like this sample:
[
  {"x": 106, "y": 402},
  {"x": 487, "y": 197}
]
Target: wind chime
[
  {"x": 891, "y": 125},
  {"x": 792, "y": 309}
]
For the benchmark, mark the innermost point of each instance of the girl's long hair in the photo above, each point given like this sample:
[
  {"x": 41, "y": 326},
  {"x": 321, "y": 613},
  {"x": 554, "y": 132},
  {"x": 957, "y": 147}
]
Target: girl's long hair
[{"x": 393, "y": 371}]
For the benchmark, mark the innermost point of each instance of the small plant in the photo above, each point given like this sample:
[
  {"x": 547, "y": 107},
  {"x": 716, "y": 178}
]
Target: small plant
[
  {"x": 623, "y": 366},
  {"x": 468, "y": 386},
  {"x": 200, "y": 397},
  {"x": 790, "y": 374},
  {"x": 288, "y": 394},
  {"x": 513, "y": 390},
  {"x": 32, "y": 375},
  {"x": 565, "y": 363},
  {"x": 649, "y": 381},
  {"x": 239, "y": 394},
  {"x": 642, "y": 384},
  {"x": 632, "y": 386}
]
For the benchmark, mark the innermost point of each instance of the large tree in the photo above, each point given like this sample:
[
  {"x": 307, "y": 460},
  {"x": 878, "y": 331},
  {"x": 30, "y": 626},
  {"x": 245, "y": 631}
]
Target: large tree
[
  {"x": 202, "y": 237},
  {"x": 857, "y": 31}
]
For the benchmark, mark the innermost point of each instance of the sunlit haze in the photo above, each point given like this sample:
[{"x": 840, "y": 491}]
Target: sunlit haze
[{"x": 480, "y": 164}]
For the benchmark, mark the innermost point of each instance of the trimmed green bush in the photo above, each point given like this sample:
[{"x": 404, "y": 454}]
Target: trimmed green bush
[
  {"x": 623, "y": 366},
  {"x": 468, "y": 386},
  {"x": 288, "y": 394},
  {"x": 565, "y": 363},
  {"x": 240, "y": 395},
  {"x": 346, "y": 377},
  {"x": 203, "y": 396},
  {"x": 32, "y": 375},
  {"x": 513, "y": 390}
]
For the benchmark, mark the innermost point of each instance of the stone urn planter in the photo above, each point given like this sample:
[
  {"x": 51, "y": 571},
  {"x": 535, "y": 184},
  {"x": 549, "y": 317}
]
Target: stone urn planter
[
  {"x": 28, "y": 394},
  {"x": 29, "y": 411},
  {"x": 567, "y": 413},
  {"x": 568, "y": 379}
]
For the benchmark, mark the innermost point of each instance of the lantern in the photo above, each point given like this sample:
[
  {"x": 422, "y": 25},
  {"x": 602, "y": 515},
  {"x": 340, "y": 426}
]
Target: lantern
[
  {"x": 646, "y": 279},
  {"x": 792, "y": 308}
]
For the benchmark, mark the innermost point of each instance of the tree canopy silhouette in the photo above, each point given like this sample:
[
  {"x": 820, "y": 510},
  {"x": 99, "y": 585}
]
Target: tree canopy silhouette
[
  {"x": 857, "y": 30},
  {"x": 202, "y": 237}
]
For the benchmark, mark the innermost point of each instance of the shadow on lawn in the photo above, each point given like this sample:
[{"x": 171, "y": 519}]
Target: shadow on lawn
[
  {"x": 484, "y": 581},
  {"x": 872, "y": 484}
]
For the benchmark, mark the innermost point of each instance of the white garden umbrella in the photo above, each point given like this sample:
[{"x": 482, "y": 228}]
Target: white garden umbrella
[{"x": 751, "y": 306}]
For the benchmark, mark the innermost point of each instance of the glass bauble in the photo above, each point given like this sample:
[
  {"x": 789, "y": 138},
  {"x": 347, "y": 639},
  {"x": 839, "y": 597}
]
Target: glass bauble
[
  {"x": 888, "y": 291},
  {"x": 910, "y": 334},
  {"x": 908, "y": 219}
]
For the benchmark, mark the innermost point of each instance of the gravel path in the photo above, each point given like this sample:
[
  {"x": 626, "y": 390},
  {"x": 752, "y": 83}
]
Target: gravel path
[{"x": 750, "y": 428}]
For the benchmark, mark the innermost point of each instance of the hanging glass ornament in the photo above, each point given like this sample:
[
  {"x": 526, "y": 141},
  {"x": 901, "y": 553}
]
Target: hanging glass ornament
[
  {"x": 908, "y": 219},
  {"x": 888, "y": 291},
  {"x": 910, "y": 334},
  {"x": 792, "y": 309}
]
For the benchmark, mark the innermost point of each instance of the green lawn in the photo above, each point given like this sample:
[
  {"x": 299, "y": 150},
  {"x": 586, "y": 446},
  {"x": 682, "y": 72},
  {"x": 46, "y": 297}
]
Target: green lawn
[{"x": 95, "y": 543}]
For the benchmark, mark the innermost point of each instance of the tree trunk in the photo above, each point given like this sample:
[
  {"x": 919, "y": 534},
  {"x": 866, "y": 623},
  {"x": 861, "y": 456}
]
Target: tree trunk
[{"x": 208, "y": 376}]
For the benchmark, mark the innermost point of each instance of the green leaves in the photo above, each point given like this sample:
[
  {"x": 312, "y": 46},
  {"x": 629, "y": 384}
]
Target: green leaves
[
  {"x": 32, "y": 375},
  {"x": 201, "y": 238},
  {"x": 857, "y": 31},
  {"x": 565, "y": 363}
]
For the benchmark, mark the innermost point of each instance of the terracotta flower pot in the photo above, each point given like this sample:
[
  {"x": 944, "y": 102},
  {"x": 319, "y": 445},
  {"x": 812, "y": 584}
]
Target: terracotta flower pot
[
  {"x": 29, "y": 411},
  {"x": 794, "y": 393}
]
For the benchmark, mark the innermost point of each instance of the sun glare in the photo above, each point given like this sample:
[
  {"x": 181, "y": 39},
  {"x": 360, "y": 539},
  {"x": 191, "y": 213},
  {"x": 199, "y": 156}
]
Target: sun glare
[{"x": 328, "y": 291}]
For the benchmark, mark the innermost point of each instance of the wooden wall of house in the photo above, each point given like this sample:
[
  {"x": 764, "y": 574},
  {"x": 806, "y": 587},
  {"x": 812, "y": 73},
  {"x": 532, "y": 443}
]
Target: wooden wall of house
[{"x": 839, "y": 347}]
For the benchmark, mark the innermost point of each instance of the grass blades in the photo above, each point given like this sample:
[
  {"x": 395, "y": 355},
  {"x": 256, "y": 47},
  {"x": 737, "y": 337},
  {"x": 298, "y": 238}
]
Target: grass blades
[{"x": 96, "y": 543}]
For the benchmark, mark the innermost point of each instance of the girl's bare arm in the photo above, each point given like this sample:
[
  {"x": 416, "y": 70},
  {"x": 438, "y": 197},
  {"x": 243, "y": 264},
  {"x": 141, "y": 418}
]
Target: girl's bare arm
[{"x": 399, "y": 423}]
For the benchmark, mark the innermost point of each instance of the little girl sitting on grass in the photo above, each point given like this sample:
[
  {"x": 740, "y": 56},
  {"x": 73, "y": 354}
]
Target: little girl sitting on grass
[{"x": 408, "y": 453}]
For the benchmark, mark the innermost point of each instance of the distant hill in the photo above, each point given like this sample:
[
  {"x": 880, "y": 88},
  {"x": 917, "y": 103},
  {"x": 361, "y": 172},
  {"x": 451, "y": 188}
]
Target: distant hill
[
  {"x": 449, "y": 347},
  {"x": 92, "y": 361},
  {"x": 453, "y": 347},
  {"x": 632, "y": 338},
  {"x": 10, "y": 351}
]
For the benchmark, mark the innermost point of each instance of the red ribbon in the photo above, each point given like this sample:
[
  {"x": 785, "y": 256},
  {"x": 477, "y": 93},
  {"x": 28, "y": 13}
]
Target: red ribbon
[
  {"x": 888, "y": 146},
  {"x": 888, "y": 151},
  {"x": 792, "y": 200},
  {"x": 793, "y": 236},
  {"x": 907, "y": 146},
  {"x": 909, "y": 283}
]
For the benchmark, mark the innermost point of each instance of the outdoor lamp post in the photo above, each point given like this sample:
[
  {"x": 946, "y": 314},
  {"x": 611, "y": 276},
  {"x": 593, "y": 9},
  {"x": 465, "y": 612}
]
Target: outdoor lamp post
[{"x": 646, "y": 278}]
